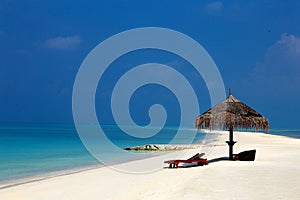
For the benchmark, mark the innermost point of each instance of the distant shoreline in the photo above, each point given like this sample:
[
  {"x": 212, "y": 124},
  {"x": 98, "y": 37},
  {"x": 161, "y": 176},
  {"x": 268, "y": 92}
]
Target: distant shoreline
[{"x": 275, "y": 132}]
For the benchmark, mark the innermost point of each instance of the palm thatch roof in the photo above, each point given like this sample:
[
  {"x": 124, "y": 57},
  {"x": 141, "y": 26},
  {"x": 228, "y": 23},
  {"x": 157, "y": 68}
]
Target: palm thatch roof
[{"x": 231, "y": 114}]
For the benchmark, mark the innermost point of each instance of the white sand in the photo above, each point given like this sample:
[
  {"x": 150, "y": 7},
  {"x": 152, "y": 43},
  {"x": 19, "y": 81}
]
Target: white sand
[{"x": 275, "y": 174}]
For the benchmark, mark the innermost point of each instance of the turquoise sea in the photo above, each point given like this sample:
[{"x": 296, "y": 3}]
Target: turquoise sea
[{"x": 30, "y": 151}]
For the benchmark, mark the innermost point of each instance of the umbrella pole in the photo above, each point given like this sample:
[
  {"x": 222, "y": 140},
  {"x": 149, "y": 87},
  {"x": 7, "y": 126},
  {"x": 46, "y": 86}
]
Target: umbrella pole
[{"x": 230, "y": 143}]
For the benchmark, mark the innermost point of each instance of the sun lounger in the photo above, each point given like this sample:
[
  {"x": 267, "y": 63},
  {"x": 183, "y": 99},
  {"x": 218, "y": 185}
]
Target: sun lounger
[
  {"x": 194, "y": 159},
  {"x": 245, "y": 155}
]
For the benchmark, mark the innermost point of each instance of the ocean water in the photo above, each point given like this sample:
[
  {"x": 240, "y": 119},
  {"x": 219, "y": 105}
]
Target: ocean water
[
  {"x": 30, "y": 151},
  {"x": 33, "y": 150},
  {"x": 294, "y": 133}
]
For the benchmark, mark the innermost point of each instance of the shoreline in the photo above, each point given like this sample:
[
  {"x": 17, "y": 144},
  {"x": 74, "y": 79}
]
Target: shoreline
[
  {"x": 277, "y": 162},
  {"x": 65, "y": 172},
  {"x": 174, "y": 148},
  {"x": 44, "y": 176},
  {"x": 259, "y": 132}
]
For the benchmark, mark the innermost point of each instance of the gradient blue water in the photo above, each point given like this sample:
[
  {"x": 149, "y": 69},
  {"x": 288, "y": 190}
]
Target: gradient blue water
[{"x": 29, "y": 150}]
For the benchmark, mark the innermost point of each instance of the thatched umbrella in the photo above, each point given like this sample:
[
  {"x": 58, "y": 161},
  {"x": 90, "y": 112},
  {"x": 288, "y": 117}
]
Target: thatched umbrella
[{"x": 231, "y": 114}]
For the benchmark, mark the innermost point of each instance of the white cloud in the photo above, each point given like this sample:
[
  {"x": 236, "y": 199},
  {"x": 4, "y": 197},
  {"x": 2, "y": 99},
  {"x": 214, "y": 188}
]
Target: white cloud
[
  {"x": 63, "y": 43},
  {"x": 287, "y": 48},
  {"x": 283, "y": 57},
  {"x": 214, "y": 7},
  {"x": 280, "y": 68}
]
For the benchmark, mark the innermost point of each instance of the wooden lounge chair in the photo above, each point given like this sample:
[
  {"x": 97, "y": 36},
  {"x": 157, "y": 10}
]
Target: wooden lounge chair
[{"x": 194, "y": 159}]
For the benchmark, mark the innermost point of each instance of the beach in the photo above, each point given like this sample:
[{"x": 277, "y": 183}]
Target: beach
[{"x": 275, "y": 174}]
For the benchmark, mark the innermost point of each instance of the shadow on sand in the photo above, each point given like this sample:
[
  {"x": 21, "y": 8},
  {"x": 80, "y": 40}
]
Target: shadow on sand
[
  {"x": 195, "y": 165},
  {"x": 218, "y": 159}
]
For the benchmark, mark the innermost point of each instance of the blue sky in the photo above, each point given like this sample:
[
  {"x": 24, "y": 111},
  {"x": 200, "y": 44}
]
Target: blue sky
[{"x": 255, "y": 44}]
